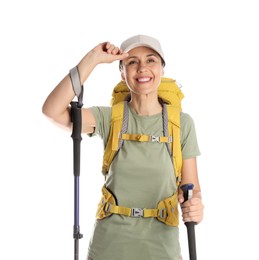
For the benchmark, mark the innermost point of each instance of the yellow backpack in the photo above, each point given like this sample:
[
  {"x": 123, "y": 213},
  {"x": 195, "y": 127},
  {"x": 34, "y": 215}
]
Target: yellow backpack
[{"x": 171, "y": 95}]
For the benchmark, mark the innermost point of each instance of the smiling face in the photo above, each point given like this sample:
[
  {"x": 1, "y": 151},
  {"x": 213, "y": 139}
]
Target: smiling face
[{"x": 142, "y": 71}]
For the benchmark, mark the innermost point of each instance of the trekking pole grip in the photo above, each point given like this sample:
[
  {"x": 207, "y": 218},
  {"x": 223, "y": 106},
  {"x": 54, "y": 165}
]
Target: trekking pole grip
[
  {"x": 187, "y": 194},
  {"x": 76, "y": 135},
  {"x": 187, "y": 191}
]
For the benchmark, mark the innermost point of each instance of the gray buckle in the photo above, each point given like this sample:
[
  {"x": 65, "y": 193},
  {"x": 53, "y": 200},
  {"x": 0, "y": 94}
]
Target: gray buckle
[
  {"x": 163, "y": 213},
  {"x": 155, "y": 139},
  {"x": 137, "y": 212},
  {"x": 107, "y": 207}
]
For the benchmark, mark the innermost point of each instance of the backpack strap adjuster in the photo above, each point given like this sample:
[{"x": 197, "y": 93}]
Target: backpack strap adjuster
[
  {"x": 155, "y": 138},
  {"x": 163, "y": 213},
  {"x": 107, "y": 207},
  {"x": 161, "y": 139}
]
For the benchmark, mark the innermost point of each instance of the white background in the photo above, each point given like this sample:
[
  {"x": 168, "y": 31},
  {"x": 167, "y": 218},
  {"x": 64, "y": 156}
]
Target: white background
[{"x": 211, "y": 48}]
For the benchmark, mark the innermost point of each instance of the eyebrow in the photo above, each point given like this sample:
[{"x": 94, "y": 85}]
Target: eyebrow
[{"x": 149, "y": 55}]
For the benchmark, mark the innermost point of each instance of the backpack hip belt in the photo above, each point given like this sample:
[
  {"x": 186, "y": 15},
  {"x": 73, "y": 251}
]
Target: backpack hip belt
[{"x": 166, "y": 211}]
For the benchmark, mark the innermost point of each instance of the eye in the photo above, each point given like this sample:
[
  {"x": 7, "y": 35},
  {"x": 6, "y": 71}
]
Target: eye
[
  {"x": 150, "y": 60},
  {"x": 132, "y": 62}
]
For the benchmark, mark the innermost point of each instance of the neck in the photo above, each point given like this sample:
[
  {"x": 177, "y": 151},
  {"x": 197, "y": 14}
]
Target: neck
[{"x": 145, "y": 105}]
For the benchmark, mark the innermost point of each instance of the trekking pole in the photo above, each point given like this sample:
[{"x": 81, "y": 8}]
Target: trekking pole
[
  {"x": 76, "y": 136},
  {"x": 187, "y": 194}
]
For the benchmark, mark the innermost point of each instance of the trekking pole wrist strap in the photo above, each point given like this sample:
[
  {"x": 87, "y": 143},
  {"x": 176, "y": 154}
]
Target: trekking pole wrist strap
[{"x": 76, "y": 84}]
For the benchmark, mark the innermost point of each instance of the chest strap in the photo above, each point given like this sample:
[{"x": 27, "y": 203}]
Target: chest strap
[{"x": 146, "y": 138}]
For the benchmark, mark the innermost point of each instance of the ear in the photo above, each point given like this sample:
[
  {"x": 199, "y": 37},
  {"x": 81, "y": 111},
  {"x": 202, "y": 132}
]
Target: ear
[
  {"x": 122, "y": 75},
  {"x": 162, "y": 72}
]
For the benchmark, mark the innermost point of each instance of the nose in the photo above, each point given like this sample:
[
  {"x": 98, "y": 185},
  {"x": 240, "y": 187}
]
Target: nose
[{"x": 142, "y": 67}]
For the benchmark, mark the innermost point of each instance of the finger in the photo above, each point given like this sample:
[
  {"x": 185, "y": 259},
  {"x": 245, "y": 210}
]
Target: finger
[
  {"x": 112, "y": 49},
  {"x": 106, "y": 45},
  {"x": 123, "y": 55},
  {"x": 180, "y": 198},
  {"x": 192, "y": 208},
  {"x": 193, "y": 213},
  {"x": 192, "y": 201},
  {"x": 197, "y": 219},
  {"x": 116, "y": 51},
  {"x": 121, "y": 51},
  {"x": 114, "y": 57},
  {"x": 193, "y": 216}
]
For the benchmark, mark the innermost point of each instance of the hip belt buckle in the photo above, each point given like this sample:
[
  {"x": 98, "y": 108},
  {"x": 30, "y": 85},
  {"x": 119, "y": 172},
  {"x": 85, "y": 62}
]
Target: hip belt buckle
[{"x": 137, "y": 212}]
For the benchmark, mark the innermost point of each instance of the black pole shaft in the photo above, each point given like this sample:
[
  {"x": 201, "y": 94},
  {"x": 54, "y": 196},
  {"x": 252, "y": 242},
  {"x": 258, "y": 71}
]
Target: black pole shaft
[
  {"x": 191, "y": 240},
  {"x": 186, "y": 188}
]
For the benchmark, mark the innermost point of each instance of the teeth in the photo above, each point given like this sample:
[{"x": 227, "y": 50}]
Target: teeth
[{"x": 143, "y": 79}]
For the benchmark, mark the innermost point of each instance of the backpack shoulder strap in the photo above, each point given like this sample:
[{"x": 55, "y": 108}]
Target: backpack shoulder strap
[
  {"x": 173, "y": 122},
  {"x": 118, "y": 125}
]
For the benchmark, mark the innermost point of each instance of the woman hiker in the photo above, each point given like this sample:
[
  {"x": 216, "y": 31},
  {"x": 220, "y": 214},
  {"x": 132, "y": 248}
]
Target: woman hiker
[{"x": 141, "y": 174}]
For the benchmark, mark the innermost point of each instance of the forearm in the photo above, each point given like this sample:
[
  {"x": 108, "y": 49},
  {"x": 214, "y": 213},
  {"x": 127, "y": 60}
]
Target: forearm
[
  {"x": 192, "y": 210},
  {"x": 190, "y": 174},
  {"x": 59, "y": 99},
  {"x": 87, "y": 65}
]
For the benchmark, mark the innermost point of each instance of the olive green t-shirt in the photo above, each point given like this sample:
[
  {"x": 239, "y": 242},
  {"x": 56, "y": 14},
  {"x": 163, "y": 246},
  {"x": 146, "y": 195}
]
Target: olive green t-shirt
[{"x": 140, "y": 176}]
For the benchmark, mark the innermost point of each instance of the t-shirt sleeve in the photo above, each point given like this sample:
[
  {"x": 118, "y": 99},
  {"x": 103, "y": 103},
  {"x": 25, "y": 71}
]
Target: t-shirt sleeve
[
  {"x": 102, "y": 117},
  {"x": 189, "y": 143}
]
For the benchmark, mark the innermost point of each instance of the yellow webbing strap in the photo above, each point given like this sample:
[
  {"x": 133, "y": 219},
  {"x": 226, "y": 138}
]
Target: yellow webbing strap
[
  {"x": 174, "y": 130},
  {"x": 113, "y": 140},
  {"x": 131, "y": 212},
  {"x": 146, "y": 138}
]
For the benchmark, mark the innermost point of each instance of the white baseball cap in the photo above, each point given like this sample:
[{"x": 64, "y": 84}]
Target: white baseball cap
[{"x": 145, "y": 41}]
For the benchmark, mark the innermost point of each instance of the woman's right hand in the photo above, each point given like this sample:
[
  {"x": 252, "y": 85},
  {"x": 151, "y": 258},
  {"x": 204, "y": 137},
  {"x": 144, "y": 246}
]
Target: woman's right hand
[
  {"x": 103, "y": 53},
  {"x": 107, "y": 53}
]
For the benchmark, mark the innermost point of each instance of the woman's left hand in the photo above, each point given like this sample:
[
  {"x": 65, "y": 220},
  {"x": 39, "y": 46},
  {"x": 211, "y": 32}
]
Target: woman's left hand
[{"x": 192, "y": 209}]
